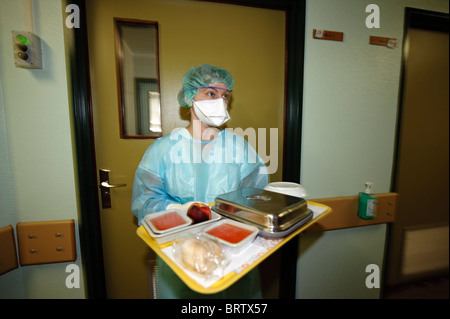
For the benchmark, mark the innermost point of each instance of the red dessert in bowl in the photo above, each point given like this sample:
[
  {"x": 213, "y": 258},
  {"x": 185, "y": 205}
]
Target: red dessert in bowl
[
  {"x": 167, "y": 220},
  {"x": 233, "y": 235}
]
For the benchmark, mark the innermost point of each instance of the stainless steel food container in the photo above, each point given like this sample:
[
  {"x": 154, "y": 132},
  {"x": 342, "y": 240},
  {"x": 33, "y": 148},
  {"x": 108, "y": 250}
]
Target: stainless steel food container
[{"x": 275, "y": 214}]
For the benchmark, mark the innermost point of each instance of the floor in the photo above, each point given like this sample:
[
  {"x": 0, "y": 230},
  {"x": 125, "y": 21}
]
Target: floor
[{"x": 429, "y": 289}]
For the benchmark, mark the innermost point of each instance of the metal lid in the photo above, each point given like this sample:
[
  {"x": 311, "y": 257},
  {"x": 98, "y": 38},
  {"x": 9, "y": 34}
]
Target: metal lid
[{"x": 267, "y": 210}]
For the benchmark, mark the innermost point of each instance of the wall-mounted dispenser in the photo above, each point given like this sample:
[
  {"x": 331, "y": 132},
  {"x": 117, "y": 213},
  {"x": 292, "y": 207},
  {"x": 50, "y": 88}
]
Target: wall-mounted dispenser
[{"x": 367, "y": 201}]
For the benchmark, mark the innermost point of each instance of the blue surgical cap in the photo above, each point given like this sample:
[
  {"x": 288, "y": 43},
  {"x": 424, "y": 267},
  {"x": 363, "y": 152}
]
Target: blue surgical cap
[{"x": 202, "y": 76}]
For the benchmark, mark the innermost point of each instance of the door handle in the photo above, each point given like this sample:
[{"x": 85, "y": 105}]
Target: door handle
[{"x": 105, "y": 187}]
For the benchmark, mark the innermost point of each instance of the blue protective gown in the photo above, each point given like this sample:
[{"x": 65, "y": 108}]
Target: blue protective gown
[{"x": 177, "y": 169}]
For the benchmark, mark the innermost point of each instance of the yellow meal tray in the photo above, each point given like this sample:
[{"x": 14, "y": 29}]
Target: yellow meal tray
[{"x": 232, "y": 276}]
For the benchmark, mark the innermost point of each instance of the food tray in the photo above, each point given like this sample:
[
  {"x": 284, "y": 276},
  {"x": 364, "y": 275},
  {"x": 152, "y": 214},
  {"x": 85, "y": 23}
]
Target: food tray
[{"x": 260, "y": 249}]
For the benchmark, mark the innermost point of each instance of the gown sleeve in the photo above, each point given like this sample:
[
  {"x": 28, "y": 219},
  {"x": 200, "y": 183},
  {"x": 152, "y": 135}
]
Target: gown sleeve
[{"x": 149, "y": 194}]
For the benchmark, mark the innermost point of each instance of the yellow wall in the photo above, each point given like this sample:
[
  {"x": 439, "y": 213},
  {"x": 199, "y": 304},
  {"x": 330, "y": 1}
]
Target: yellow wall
[{"x": 191, "y": 33}]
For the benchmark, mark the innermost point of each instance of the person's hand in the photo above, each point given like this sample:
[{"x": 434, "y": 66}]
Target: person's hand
[{"x": 180, "y": 206}]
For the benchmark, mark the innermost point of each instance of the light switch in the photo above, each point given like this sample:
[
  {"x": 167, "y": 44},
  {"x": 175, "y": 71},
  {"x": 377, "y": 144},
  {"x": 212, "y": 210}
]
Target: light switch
[
  {"x": 46, "y": 242},
  {"x": 8, "y": 255},
  {"x": 27, "y": 50}
]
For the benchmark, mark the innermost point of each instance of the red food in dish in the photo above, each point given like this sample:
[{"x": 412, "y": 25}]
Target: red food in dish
[
  {"x": 199, "y": 212},
  {"x": 230, "y": 233},
  {"x": 167, "y": 221}
]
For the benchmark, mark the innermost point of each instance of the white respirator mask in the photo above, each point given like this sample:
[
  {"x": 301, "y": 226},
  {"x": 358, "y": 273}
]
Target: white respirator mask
[{"x": 211, "y": 112}]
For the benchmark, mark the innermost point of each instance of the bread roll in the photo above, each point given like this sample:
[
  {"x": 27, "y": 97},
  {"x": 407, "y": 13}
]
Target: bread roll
[{"x": 202, "y": 256}]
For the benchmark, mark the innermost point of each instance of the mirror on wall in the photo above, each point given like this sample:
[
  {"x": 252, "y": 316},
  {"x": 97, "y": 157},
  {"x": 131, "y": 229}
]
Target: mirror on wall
[{"x": 138, "y": 78}]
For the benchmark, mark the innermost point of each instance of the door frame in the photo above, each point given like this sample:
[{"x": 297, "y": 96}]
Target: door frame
[{"x": 89, "y": 219}]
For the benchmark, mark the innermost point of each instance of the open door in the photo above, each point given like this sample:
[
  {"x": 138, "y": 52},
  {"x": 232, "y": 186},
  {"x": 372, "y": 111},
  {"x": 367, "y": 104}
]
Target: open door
[
  {"x": 421, "y": 174},
  {"x": 123, "y": 254}
]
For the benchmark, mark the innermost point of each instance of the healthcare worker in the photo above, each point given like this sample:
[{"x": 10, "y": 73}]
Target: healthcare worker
[{"x": 198, "y": 163}]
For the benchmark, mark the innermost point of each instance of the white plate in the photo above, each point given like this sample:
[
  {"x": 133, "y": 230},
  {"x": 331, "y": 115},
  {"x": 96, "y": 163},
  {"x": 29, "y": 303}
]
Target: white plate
[{"x": 287, "y": 188}]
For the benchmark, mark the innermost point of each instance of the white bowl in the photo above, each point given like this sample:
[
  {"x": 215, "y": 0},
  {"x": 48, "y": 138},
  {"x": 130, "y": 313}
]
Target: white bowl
[{"x": 287, "y": 188}]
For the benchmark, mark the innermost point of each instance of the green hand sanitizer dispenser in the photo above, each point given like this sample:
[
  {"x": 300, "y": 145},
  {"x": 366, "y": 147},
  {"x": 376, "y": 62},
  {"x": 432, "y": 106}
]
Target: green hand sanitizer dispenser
[{"x": 366, "y": 207}]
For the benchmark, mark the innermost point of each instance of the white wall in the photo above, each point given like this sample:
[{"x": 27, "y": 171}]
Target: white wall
[
  {"x": 37, "y": 163},
  {"x": 350, "y": 98}
]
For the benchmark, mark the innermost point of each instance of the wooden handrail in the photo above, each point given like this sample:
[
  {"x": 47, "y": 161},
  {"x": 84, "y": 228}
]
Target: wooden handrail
[{"x": 345, "y": 212}]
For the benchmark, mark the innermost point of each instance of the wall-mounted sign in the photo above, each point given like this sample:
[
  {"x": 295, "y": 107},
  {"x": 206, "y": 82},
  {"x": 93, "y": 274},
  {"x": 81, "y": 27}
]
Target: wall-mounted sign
[
  {"x": 328, "y": 35},
  {"x": 383, "y": 41}
]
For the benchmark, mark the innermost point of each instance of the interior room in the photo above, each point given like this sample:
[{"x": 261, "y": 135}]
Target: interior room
[{"x": 345, "y": 92}]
